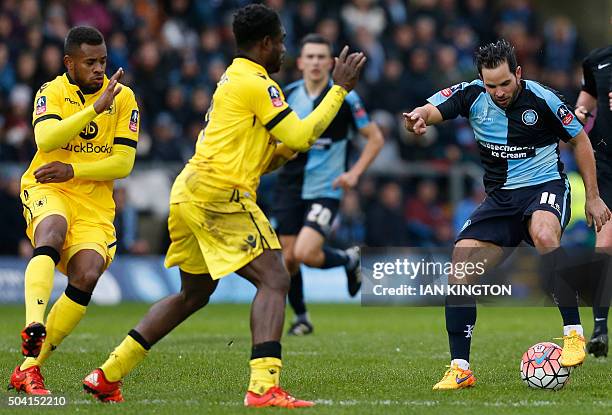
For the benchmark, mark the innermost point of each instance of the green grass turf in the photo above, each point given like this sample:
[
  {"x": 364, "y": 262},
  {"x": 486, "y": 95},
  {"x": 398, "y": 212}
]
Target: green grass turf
[{"x": 360, "y": 360}]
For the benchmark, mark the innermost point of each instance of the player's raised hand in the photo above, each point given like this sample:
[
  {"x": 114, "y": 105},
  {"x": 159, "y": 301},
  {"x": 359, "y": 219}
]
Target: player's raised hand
[
  {"x": 582, "y": 113},
  {"x": 346, "y": 181},
  {"x": 106, "y": 99},
  {"x": 54, "y": 172},
  {"x": 597, "y": 213},
  {"x": 414, "y": 122},
  {"x": 347, "y": 68}
]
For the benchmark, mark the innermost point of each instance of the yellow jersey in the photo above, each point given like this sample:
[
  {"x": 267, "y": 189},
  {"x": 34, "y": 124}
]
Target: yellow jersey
[
  {"x": 235, "y": 147},
  {"x": 118, "y": 125}
]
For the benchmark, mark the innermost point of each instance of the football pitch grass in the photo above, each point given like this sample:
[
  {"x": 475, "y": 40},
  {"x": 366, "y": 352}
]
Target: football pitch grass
[{"x": 360, "y": 360}]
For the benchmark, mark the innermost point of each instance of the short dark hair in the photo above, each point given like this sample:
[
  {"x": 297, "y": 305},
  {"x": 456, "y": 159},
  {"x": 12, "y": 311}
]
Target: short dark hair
[
  {"x": 492, "y": 55},
  {"x": 79, "y": 35},
  {"x": 254, "y": 22},
  {"x": 315, "y": 38}
]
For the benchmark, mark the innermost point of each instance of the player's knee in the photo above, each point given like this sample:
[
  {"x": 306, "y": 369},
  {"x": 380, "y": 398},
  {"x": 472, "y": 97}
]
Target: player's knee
[
  {"x": 195, "y": 300},
  {"x": 277, "y": 280},
  {"x": 85, "y": 280},
  {"x": 306, "y": 255},
  {"x": 290, "y": 262},
  {"x": 53, "y": 237},
  {"x": 545, "y": 237}
]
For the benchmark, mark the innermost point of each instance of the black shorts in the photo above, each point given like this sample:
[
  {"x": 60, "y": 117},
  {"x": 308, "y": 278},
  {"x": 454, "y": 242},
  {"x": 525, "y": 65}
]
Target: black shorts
[
  {"x": 604, "y": 176},
  {"x": 292, "y": 213},
  {"x": 502, "y": 217}
]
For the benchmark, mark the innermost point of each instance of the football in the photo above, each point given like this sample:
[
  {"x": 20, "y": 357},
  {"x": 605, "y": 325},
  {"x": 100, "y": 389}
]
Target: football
[{"x": 540, "y": 367}]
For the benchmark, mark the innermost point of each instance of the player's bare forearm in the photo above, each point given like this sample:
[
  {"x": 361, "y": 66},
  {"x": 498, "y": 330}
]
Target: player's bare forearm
[
  {"x": 375, "y": 142},
  {"x": 419, "y": 118},
  {"x": 585, "y": 105},
  {"x": 583, "y": 153}
]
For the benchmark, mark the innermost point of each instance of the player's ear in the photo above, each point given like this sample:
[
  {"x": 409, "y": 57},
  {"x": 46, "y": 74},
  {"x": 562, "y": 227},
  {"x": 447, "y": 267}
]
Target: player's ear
[
  {"x": 266, "y": 42},
  {"x": 68, "y": 62},
  {"x": 518, "y": 73}
]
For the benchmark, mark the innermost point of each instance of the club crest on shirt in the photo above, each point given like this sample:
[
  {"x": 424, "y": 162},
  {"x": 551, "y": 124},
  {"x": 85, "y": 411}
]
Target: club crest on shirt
[
  {"x": 134, "y": 121},
  {"x": 447, "y": 92},
  {"x": 530, "y": 117},
  {"x": 565, "y": 115},
  {"x": 41, "y": 105},
  {"x": 275, "y": 96}
]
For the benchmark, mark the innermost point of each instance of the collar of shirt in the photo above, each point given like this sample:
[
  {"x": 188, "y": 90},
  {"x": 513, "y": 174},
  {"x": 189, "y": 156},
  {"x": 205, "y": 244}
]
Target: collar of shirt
[
  {"x": 72, "y": 85},
  {"x": 246, "y": 61}
]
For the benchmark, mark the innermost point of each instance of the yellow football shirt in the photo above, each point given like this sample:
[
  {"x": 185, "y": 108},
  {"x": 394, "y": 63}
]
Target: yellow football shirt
[
  {"x": 61, "y": 98},
  {"x": 235, "y": 147}
]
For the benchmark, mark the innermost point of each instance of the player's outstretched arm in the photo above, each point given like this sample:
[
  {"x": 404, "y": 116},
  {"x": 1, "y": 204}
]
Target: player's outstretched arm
[
  {"x": 51, "y": 134},
  {"x": 417, "y": 120},
  {"x": 597, "y": 212},
  {"x": 298, "y": 134}
]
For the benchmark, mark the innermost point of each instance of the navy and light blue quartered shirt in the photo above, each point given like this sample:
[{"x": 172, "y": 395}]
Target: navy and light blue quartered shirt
[
  {"x": 311, "y": 174},
  {"x": 519, "y": 146}
]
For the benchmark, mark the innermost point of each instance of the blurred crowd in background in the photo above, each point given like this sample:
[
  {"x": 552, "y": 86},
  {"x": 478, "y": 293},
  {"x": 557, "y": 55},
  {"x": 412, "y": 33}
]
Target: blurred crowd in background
[{"x": 174, "y": 51}]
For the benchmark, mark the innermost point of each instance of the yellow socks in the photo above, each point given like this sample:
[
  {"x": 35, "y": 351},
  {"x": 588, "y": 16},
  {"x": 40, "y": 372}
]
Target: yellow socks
[
  {"x": 265, "y": 373},
  {"x": 64, "y": 316},
  {"x": 39, "y": 283},
  {"x": 265, "y": 366},
  {"x": 132, "y": 350}
]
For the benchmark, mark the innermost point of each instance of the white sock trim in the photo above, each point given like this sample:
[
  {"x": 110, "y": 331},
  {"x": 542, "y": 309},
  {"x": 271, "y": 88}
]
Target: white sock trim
[
  {"x": 462, "y": 363},
  {"x": 577, "y": 327}
]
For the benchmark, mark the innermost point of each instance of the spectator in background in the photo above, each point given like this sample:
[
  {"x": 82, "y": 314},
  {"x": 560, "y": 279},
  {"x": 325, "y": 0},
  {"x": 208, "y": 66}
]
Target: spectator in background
[
  {"x": 419, "y": 82},
  {"x": 395, "y": 12},
  {"x": 56, "y": 23},
  {"x": 150, "y": 78},
  {"x": 17, "y": 127},
  {"x": 424, "y": 214},
  {"x": 385, "y": 224},
  {"x": 26, "y": 68},
  {"x": 390, "y": 92},
  {"x": 477, "y": 14},
  {"x": 166, "y": 145},
  {"x": 14, "y": 240},
  {"x": 7, "y": 73},
  {"x": 34, "y": 38},
  {"x": 363, "y": 13},
  {"x": 210, "y": 47},
  {"x": 175, "y": 107},
  {"x": 366, "y": 42},
  {"x": 305, "y": 19},
  {"x": 446, "y": 69},
  {"x": 425, "y": 33},
  {"x": 561, "y": 47},
  {"x": 402, "y": 43},
  {"x": 118, "y": 52},
  {"x": 351, "y": 222},
  {"x": 90, "y": 13},
  {"x": 126, "y": 225},
  {"x": 51, "y": 64},
  {"x": 330, "y": 29}
]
